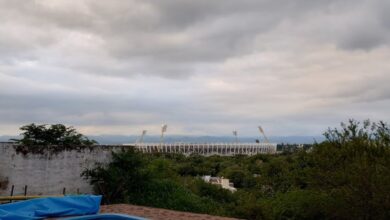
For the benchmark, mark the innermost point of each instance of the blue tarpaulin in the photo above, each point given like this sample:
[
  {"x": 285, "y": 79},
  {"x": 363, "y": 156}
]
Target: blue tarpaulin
[
  {"x": 107, "y": 217},
  {"x": 51, "y": 207}
]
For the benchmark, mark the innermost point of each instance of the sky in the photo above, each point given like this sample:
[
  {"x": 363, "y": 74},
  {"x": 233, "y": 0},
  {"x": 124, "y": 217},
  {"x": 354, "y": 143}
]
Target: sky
[{"x": 202, "y": 67}]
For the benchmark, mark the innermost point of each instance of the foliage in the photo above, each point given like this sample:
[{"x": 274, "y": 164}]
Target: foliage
[
  {"x": 345, "y": 177},
  {"x": 301, "y": 204},
  {"x": 53, "y": 138},
  {"x": 135, "y": 178},
  {"x": 172, "y": 195},
  {"x": 125, "y": 173},
  {"x": 353, "y": 166}
]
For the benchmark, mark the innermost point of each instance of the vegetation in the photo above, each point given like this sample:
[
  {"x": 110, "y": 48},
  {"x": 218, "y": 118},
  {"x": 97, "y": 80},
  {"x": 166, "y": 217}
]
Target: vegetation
[
  {"x": 53, "y": 138},
  {"x": 345, "y": 177}
]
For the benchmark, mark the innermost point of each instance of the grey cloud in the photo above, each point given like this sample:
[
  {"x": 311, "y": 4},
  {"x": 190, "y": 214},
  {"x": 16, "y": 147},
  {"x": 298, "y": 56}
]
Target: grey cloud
[
  {"x": 105, "y": 111},
  {"x": 363, "y": 40},
  {"x": 133, "y": 30},
  {"x": 369, "y": 30},
  {"x": 212, "y": 64},
  {"x": 365, "y": 35}
]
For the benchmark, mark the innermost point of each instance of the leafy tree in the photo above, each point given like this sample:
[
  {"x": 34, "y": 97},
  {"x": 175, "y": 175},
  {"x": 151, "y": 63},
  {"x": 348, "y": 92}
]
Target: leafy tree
[
  {"x": 41, "y": 139},
  {"x": 165, "y": 193},
  {"x": 239, "y": 177},
  {"x": 211, "y": 191},
  {"x": 57, "y": 134},
  {"x": 301, "y": 204},
  {"x": 124, "y": 174},
  {"x": 353, "y": 166}
]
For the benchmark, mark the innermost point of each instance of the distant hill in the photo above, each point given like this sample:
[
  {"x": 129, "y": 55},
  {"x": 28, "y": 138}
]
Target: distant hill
[
  {"x": 5, "y": 138},
  {"x": 121, "y": 139}
]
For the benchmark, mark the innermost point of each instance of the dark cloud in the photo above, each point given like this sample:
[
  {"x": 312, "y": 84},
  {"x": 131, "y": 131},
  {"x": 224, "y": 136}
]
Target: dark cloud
[{"x": 170, "y": 31}]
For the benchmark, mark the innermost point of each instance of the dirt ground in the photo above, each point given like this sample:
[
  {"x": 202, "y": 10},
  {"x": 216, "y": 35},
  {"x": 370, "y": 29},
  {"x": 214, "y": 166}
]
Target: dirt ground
[{"x": 156, "y": 214}]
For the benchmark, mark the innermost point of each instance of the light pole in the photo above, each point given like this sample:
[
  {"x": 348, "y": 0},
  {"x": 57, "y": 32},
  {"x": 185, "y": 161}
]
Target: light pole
[
  {"x": 262, "y": 132},
  {"x": 141, "y": 139},
  {"x": 235, "y": 135},
  {"x": 163, "y": 130}
]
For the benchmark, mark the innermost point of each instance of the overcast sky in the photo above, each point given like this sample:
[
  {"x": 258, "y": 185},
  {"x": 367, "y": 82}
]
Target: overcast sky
[{"x": 203, "y": 67}]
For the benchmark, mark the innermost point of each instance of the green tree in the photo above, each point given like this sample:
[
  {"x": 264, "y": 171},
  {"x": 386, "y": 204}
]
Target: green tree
[
  {"x": 345, "y": 177},
  {"x": 56, "y": 134},
  {"x": 301, "y": 204},
  {"x": 353, "y": 166},
  {"x": 125, "y": 174}
]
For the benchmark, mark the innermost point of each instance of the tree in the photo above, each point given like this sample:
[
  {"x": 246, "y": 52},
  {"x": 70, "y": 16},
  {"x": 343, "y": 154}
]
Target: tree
[
  {"x": 353, "y": 166},
  {"x": 125, "y": 174},
  {"x": 57, "y": 134},
  {"x": 52, "y": 138},
  {"x": 345, "y": 177}
]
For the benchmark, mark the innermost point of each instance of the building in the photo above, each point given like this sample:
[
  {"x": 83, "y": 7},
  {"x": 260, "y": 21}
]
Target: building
[
  {"x": 208, "y": 149},
  {"x": 223, "y": 182}
]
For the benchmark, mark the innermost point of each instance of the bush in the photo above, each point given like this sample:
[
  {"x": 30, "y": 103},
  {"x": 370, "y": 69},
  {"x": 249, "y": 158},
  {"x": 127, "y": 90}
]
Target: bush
[
  {"x": 125, "y": 174},
  {"x": 301, "y": 204},
  {"x": 171, "y": 195}
]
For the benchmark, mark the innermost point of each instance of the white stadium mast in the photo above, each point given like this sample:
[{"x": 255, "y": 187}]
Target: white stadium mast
[
  {"x": 163, "y": 130},
  {"x": 141, "y": 139},
  {"x": 235, "y": 133},
  {"x": 265, "y": 137}
]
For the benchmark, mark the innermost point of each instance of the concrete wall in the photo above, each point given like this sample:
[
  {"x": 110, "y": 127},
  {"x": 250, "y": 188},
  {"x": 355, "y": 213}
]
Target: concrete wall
[{"x": 48, "y": 174}]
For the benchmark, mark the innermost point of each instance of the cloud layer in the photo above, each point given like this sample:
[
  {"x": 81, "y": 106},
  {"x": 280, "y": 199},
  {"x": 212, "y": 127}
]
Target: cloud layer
[{"x": 203, "y": 67}]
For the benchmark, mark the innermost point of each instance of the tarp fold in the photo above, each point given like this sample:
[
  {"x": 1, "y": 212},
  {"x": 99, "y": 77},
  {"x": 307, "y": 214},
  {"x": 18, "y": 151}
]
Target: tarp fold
[{"x": 51, "y": 207}]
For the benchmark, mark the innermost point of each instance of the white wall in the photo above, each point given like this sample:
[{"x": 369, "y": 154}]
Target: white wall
[{"x": 49, "y": 174}]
